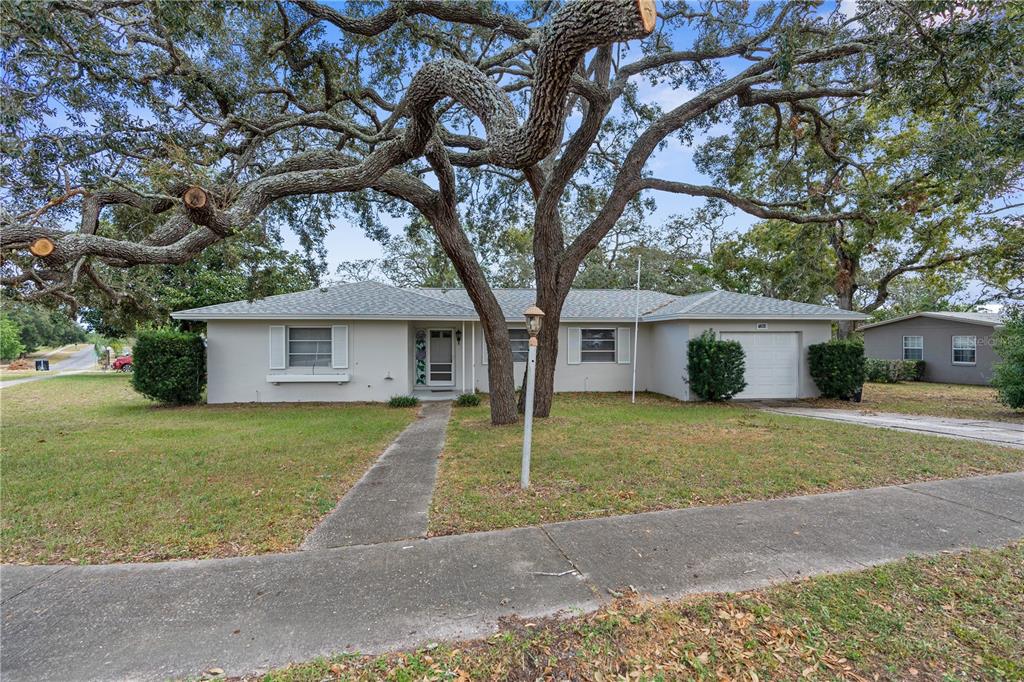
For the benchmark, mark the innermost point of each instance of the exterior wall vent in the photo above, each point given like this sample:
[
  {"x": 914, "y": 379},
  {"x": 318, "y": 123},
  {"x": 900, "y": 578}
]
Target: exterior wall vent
[{"x": 762, "y": 325}]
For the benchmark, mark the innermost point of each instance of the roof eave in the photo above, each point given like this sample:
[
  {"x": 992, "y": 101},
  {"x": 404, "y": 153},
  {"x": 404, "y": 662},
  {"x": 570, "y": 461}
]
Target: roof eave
[{"x": 701, "y": 316}]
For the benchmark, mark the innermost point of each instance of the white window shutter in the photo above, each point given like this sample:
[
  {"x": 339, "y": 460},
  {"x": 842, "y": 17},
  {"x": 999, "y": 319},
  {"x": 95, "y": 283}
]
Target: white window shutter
[
  {"x": 278, "y": 347},
  {"x": 623, "y": 347},
  {"x": 483, "y": 349},
  {"x": 575, "y": 342},
  {"x": 339, "y": 346}
]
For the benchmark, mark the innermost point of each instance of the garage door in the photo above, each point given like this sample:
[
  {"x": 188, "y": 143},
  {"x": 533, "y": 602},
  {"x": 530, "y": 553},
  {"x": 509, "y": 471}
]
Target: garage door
[{"x": 772, "y": 363}]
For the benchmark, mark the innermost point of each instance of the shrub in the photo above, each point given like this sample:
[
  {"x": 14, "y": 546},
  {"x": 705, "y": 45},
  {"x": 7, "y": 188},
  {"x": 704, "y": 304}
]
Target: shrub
[
  {"x": 837, "y": 368},
  {"x": 170, "y": 366},
  {"x": 468, "y": 400},
  {"x": 1008, "y": 375},
  {"x": 403, "y": 401},
  {"x": 891, "y": 371},
  {"x": 715, "y": 366}
]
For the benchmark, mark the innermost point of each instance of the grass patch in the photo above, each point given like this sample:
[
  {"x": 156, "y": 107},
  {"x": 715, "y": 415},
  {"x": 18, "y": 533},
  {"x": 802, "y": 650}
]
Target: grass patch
[
  {"x": 941, "y": 400},
  {"x": 953, "y": 617},
  {"x": 92, "y": 472},
  {"x": 598, "y": 455}
]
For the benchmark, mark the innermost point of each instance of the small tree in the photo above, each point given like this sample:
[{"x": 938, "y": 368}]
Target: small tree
[
  {"x": 169, "y": 366},
  {"x": 837, "y": 367},
  {"x": 1008, "y": 376},
  {"x": 715, "y": 366},
  {"x": 10, "y": 340}
]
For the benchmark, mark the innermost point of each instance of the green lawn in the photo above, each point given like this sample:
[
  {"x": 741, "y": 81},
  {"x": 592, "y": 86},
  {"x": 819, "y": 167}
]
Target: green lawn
[
  {"x": 953, "y": 617},
  {"x": 941, "y": 400},
  {"x": 94, "y": 473},
  {"x": 598, "y": 455}
]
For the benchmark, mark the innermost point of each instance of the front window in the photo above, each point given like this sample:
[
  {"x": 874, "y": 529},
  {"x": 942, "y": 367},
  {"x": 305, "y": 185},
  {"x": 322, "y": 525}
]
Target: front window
[
  {"x": 597, "y": 345},
  {"x": 913, "y": 348},
  {"x": 965, "y": 350},
  {"x": 520, "y": 339},
  {"x": 309, "y": 346}
]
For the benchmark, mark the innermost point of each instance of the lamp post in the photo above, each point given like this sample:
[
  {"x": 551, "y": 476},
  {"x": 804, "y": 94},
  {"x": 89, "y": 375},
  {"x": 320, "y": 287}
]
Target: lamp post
[{"x": 534, "y": 320}]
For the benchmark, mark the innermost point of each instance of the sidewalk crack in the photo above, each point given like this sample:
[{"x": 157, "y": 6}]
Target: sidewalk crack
[
  {"x": 961, "y": 504},
  {"x": 34, "y": 585}
]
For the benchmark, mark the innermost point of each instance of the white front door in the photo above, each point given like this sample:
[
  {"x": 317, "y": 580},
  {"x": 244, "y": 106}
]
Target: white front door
[
  {"x": 772, "y": 363},
  {"x": 441, "y": 357}
]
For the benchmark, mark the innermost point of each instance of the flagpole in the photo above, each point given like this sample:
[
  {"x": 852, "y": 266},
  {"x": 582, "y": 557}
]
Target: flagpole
[{"x": 636, "y": 327}]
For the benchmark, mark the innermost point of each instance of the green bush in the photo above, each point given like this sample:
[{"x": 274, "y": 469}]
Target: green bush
[
  {"x": 837, "y": 367},
  {"x": 715, "y": 366},
  {"x": 170, "y": 366},
  {"x": 10, "y": 340},
  {"x": 882, "y": 371},
  {"x": 1008, "y": 375},
  {"x": 403, "y": 401},
  {"x": 468, "y": 400}
]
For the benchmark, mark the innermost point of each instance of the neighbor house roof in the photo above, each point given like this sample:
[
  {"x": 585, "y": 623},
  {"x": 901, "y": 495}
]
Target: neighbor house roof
[
  {"x": 373, "y": 300},
  {"x": 987, "y": 319}
]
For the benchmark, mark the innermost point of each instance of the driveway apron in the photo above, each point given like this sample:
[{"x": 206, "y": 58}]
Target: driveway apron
[
  {"x": 390, "y": 502},
  {"x": 1005, "y": 434}
]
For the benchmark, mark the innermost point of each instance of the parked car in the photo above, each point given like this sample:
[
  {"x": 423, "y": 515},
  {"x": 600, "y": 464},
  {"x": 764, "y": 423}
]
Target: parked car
[{"x": 122, "y": 364}]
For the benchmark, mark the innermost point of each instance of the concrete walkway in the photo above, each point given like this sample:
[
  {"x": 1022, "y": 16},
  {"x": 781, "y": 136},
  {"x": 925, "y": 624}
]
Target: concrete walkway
[
  {"x": 391, "y": 500},
  {"x": 165, "y": 620},
  {"x": 1005, "y": 434}
]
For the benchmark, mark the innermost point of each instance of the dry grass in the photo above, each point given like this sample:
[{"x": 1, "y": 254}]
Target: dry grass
[
  {"x": 954, "y": 617},
  {"x": 598, "y": 455},
  {"x": 94, "y": 473},
  {"x": 940, "y": 400}
]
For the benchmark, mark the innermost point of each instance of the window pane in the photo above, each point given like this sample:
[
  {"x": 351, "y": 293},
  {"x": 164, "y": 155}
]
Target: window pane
[
  {"x": 309, "y": 333},
  {"x": 913, "y": 354},
  {"x": 597, "y": 356},
  {"x": 966, "y": 342},
  {"x": 963, "y": 355},
  {"x": 309, "y": 360},
  {"x": 913, "y": 342},
  {"x": 598, "y": 334}
]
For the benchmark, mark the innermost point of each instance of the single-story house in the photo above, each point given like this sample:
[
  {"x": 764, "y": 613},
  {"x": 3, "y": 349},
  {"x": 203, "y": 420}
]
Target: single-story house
[
  {"x": 956, "y": 347},
  {"x": 368, "y": 341}
]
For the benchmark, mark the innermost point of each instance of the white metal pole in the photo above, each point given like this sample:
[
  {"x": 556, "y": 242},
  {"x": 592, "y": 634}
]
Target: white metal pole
[
  {"x": 524, "y": 477},
  {"x": 636, "y": 327}
]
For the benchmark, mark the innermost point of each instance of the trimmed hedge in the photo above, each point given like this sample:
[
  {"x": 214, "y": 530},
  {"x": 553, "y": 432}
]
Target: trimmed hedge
[
  {"x": 467, "y": 400},
  {"x": 403, "y": 401},
  {"x": 169, "y": 366},
  {"x": 892, "y": 371},
  {"x": 715, "y": 366},
  {"x": 837, "y": 368}
]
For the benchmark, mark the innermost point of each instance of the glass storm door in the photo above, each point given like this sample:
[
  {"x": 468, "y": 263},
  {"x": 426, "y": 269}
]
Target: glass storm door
[{"x": 441, "y": 358}]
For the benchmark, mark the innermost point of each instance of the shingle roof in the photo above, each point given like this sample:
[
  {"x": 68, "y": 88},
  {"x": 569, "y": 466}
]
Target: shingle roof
[
  {"x": 580, "y": 304},
  {"x": 358, "y": 299},
  {"x": 729, "y": 304},
  {"x": 989, "y": 319},
  {"x": 376, "y": 300}
]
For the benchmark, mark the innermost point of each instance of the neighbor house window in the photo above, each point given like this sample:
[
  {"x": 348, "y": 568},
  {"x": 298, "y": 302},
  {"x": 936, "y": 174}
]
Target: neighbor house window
[
  {"x": 520, "y": 339},
  {"x": 309, "y": 346},
  {"x": 965, "y": 350},
  {"x": 913, "y": 348},
  {"x": 597, "y": 345}
]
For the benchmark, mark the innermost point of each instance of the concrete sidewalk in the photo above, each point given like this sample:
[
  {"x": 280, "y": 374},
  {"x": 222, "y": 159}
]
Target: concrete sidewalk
[
  {"x": 1005, "y": 434},
  {"x": 391, "y": 500},
  {"x": 158, "y": 621}
]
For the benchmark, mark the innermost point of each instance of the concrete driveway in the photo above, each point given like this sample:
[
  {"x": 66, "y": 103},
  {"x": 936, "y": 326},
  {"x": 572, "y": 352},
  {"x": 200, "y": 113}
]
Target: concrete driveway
[{"x": 995, "y": 433}]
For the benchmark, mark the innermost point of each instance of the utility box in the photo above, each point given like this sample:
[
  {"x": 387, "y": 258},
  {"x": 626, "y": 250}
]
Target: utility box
[{"x": 42, "y": 365}]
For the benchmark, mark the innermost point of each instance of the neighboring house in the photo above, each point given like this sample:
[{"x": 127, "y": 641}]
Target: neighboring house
[
  {"x": 956, "y": 347},
  {"x": 370, "y": 341}
]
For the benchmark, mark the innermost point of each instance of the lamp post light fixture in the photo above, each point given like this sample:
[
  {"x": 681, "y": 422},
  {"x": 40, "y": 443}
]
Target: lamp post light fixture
[{"x": 534, "y": 321}]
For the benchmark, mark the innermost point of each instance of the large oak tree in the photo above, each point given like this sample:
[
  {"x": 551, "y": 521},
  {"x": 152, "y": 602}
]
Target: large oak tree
[{"x": 221, "y": 118}]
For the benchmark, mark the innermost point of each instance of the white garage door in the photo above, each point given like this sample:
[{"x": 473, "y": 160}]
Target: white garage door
[{"x": 772, "y": 363}]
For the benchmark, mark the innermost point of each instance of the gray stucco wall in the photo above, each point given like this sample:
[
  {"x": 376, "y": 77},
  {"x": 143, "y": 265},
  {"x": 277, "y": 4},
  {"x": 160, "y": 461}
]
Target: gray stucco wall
[
  {"x": 238, "y": 363},
  {"x": 886, "y": 342},
  {"x": 667, "y": 350}
]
